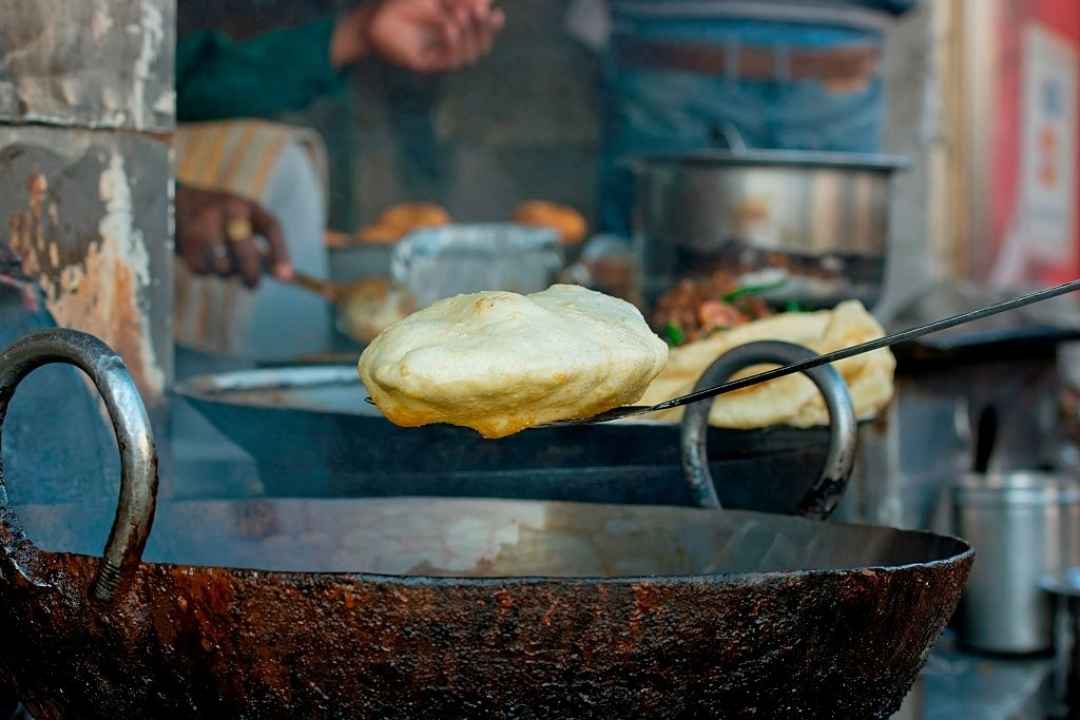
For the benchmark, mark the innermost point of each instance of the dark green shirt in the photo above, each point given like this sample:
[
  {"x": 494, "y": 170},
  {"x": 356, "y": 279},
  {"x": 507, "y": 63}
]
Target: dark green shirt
[{"x": 279, "y": 71}]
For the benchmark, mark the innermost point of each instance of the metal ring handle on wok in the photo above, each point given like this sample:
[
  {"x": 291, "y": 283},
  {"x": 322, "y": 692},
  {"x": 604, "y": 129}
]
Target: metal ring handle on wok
[
  {"x": 138, "y": 479},
  {"x": 824, "y": 494}
]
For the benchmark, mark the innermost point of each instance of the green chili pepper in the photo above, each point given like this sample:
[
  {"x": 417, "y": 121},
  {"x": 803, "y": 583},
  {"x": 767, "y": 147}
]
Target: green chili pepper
[
  {"x": 751, "y": 290},
  {"x": 673, "y": 334}
]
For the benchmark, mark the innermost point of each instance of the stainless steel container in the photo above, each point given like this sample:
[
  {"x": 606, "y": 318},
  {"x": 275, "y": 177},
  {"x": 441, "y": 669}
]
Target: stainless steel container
[
  {"x": 820, "y": 218},
  {"x": 360, "y": 261},
  {"x": 439, "y": 262},
  {"x": 1022, "y": 525}
]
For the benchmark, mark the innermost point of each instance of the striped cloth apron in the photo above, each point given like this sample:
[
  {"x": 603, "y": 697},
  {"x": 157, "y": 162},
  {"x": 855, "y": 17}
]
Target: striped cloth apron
[{"x": 237, "y": 157}]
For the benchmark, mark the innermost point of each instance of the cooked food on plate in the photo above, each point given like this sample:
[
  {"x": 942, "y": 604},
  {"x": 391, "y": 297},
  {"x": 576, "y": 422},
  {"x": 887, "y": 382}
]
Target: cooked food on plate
[
  {"x": 792, "y": 400},
  {"x": 499, "y": 362}
]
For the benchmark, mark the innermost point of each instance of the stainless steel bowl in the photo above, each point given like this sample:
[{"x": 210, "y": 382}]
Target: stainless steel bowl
[{"x": 821, "y": 219}]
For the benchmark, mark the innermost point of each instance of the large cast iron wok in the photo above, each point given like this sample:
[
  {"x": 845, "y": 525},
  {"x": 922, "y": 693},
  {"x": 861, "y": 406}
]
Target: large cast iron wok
[
  {"x": 448, "y": 608},
  {"x": 312, "y": 434}
]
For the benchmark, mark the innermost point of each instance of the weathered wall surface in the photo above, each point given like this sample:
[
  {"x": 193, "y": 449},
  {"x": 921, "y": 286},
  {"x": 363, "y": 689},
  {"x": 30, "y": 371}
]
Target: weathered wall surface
[
  {"x": 88, "y": 213},
  {"x": 91, "y": 63}
]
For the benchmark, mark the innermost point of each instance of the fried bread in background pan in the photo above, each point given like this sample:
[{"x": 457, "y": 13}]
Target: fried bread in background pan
[
  {"x": 566, "y": 221},
  {"x": 399, "y": 220},
  {"x": 792, "y": 400},
  {"x": 499, "y": 362},
  {"x": 370, "y": 306}
]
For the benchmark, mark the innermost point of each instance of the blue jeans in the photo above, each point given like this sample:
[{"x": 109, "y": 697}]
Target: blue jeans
[{"x": 649, "y": 110}]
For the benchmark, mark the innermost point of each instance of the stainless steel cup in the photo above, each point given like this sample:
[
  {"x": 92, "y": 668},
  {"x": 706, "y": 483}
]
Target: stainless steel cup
[{"x": 1022, "y": 526}]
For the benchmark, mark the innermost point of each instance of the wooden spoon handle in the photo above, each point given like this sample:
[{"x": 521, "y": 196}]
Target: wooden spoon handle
[{"x": 327, "y": 289}]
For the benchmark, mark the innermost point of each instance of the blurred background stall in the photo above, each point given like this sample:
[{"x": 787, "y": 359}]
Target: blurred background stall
[{"x": 264, "y": 185}]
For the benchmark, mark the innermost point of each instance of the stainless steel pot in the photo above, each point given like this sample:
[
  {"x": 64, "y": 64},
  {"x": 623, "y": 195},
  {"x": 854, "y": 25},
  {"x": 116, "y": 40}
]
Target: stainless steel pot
[
  {"x": 821, "y": 219},
  {"x": 1023, "y": 525}
]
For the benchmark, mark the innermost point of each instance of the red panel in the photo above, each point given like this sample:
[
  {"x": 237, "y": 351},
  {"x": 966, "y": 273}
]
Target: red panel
[
  {"x": 1060, "y": 15},
  {"x": 1063, "y": 17}
]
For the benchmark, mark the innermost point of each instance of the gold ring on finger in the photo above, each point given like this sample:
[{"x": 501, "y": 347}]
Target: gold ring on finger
[{"x": 239, "y": 230}]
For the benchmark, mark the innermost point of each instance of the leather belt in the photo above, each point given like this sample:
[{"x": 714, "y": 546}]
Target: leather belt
[{"x": 835, "y": 66}]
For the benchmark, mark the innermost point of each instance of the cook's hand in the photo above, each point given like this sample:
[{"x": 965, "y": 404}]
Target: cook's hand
[
  {"x": 420, "y": 35},
  {"x": 217, "y": 233}
]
